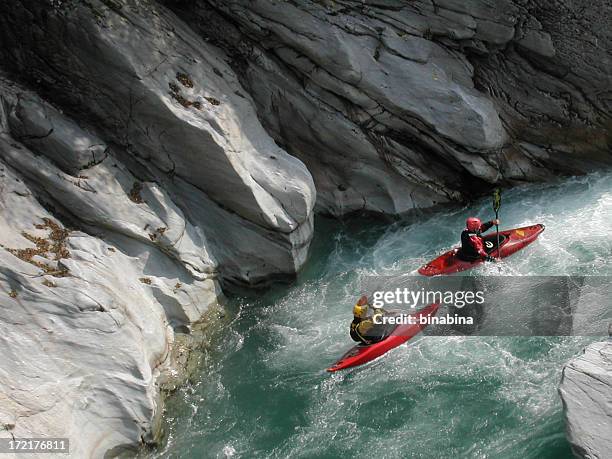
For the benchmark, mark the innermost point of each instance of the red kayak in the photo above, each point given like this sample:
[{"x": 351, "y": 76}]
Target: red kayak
[
  {"x": 361, "y": 354},
  {"x": 510, "y": 241}
]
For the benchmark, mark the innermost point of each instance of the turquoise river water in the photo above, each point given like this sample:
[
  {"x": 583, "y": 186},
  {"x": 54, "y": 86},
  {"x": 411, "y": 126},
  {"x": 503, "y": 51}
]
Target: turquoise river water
[{"x": 262, "y": 389}]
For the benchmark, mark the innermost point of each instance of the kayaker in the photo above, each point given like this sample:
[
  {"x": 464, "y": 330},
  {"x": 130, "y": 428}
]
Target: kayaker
[
  {"x": 363, "y": 328},
  {"x": 472, "y": 245}
]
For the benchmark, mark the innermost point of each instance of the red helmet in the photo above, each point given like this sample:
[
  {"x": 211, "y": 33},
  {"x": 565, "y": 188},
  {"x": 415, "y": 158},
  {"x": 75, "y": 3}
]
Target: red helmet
[{"x": 473, "y": 224}]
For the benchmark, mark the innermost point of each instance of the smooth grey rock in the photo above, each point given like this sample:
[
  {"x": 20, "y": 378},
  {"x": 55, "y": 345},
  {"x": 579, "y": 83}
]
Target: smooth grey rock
[
  {"x": 86, "y": 327},
  {"x": 538, "y": 42},
  {"x": 44, "y": 129},
  {"x": 586, "y": 391},
  {"x": 359, "y": 59},
  {"x": 446, "y": 94},
  {"x": 101, "y": 193},
  {"x": 104, "y": 199},
  {"x": 168, "y": 100}
]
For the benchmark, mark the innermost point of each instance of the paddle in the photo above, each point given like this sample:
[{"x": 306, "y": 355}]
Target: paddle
[{"x": 496, "y": 206}]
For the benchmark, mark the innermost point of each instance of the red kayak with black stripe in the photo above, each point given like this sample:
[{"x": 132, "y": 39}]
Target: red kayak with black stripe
[
  {"x": 511, "y": 241},
  {"x": 362, "y": 353}
]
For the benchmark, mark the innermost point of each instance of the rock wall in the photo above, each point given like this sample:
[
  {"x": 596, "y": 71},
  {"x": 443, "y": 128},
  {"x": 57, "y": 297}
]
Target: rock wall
[
  {"x": 586, "y": 391},
  {"x": 86, "y": 327},
  {"x": 171, "y": 109},
  {"x": 394, "y": 105},
  {"x": 135, "y": 177},
  {"x": 89, "y": 316}
]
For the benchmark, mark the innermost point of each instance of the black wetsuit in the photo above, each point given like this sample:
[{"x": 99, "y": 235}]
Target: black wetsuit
[
  {"x": 468, "y": 252},
  {"x": 365, "y": 331}
]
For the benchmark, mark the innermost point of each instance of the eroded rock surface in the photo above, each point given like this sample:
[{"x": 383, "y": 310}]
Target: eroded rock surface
[
  {"x": 86, "y": 327},
  {"x": 394, "y": 105},
  {"x": 586, "y": 391},
  {"x": 173, "y": 111},
  {"x": 134, "y": 176}
]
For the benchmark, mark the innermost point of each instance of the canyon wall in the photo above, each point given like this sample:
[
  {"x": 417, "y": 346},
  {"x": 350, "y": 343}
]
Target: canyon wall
[{"x": 152, "y": 152}]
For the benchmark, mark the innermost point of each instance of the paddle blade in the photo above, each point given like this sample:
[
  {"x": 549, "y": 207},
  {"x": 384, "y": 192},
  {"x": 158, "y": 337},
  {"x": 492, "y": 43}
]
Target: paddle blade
[{"x": 497, "y": 199}]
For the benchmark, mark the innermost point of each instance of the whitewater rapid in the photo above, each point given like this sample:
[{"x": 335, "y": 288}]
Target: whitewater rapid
[{"x": 262, "y": 390}]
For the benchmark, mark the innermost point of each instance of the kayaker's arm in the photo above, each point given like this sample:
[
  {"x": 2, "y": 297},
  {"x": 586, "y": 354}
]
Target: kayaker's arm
[
  {"x": 476, "y": 243},
  {"x": 364, "y": 326},
  {"x": 486, "y": 226},
  {"x": 362, "y": 331}
]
